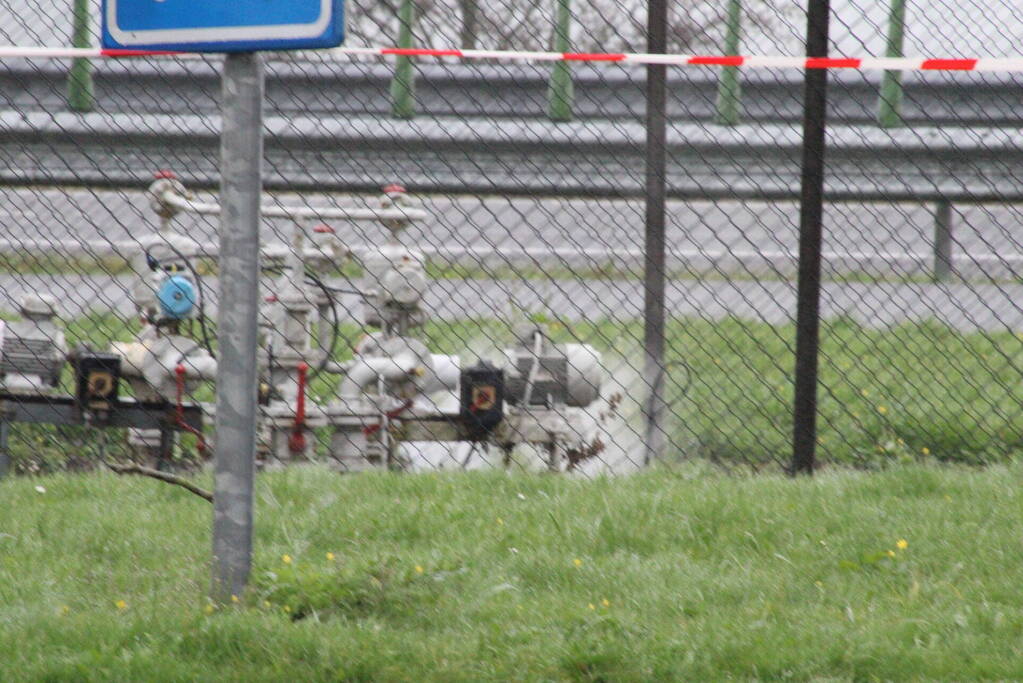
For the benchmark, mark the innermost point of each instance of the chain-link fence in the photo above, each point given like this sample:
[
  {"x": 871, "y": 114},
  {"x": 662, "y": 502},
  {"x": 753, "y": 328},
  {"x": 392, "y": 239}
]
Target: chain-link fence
[{"x": 528, "y": 254}]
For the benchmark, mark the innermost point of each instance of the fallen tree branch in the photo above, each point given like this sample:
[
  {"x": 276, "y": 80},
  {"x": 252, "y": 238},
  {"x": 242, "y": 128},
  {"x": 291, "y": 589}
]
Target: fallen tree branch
[{"x": 162, "y": 476}]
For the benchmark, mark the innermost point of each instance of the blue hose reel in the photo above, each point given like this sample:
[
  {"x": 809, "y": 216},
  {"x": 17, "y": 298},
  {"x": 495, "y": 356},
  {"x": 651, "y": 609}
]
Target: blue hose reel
[{"x": 177, "y": 297}]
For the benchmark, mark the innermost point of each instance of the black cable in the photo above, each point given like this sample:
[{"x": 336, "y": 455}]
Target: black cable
[
  {"x": 341, "y": 290},
  {"x": 335, "y": 328},
  {"x": 328, "y": 291}
]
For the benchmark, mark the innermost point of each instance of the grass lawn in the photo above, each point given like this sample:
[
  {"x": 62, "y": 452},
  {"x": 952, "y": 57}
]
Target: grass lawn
[{"x": 673, "y": 574}]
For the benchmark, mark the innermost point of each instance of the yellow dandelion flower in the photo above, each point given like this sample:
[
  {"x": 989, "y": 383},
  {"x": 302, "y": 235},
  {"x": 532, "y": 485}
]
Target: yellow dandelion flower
[
  {"x": 234, "y": 599},
  {"x": 891, "y": 553},
  {"x": 925, "y": 450},
  {"x": 591, "y": 605},
  {"x": 330, "y": 557},
  {"x": 605, "y": 602},
  {"x": 121, "y": 604},
  {"x": 882, "y": 409},
  {"x": 286, "y": 559},
  {"x": 577, "y": 562},
  {"x": 419, "y": 569},
  {"x": 902, "y": 544},
  {"x": 287, "y": 609}
]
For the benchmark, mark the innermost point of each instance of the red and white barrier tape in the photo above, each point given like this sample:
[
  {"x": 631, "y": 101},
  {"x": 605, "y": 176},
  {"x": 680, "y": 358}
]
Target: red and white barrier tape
[{"x": 1004, "y": 65}]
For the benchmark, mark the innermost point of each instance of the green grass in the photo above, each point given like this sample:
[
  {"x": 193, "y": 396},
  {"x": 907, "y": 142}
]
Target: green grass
[
  {"x": 468, "y": 577},
  {"x": 919, "y": 391}
]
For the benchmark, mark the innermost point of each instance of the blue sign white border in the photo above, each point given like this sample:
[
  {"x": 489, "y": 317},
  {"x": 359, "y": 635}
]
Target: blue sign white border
[{"x": 324, "y": 32}]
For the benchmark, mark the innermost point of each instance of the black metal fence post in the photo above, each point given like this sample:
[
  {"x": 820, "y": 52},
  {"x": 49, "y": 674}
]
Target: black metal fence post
[
  {"x": 804, "y": 437},
  {"x": 654, "y": 260}
]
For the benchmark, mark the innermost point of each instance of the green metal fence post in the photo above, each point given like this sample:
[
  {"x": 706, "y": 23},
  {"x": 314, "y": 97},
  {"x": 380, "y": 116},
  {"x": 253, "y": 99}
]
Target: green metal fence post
[
  {"x": 403, "y": 85},
  {"x": 729, "y": 89},
  {"x": 80, "y": 94},
  {"x": 560, "y": 90},
  {"x": 890, "y": 104}
]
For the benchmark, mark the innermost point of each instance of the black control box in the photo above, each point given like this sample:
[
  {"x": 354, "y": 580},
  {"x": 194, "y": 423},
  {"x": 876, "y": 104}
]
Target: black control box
[
  {"x": 97, "y": 378},
  {"x": 482, "y": 406}
]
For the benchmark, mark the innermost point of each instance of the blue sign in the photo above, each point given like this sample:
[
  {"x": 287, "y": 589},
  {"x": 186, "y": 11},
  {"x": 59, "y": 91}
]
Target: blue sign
[{"x": 222, "y": 25}]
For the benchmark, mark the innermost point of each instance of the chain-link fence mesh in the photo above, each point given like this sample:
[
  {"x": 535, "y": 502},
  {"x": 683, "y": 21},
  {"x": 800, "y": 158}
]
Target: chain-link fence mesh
[{"x": 531, "y": 177}]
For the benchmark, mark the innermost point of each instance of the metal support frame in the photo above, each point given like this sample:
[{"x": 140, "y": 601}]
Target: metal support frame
[
  {"x": 235, "y": 450},
  {"x": 654, "y": 262},
  {"x": 80, "y": 89},
  {"x": 729, "y": 86},
  {"x": 403, "y": 85},
  {"x": 804, "y": 438},
  {"x": 561, "y": 89},
  {"x": 67, "y": 411},
  {"x": 890, "y": 102}
]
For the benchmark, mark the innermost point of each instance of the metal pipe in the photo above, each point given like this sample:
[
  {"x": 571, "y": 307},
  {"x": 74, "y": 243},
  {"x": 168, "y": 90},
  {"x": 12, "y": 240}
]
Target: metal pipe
[
  {"x": 804, "y": 429},
  {"x": 300, "y": 212},
  {"x": 235, "y": 455},
  {"x": 363, "y": 371},
  {"x": 654, "y": 246}
]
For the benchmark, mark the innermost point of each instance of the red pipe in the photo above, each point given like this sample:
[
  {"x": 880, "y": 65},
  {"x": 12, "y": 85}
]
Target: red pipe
[
  {"x": 179, "y": 410},
  {"x": 297, "y": 440}
]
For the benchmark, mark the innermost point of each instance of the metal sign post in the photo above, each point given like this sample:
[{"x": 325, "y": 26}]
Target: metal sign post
[
  {"x": 241, "y": 160},
  {"x": 241, "y": 27}
]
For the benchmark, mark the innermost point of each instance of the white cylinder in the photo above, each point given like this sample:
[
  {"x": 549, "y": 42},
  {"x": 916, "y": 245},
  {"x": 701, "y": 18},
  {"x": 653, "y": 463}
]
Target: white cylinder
[{"x": 585, "y": 374}]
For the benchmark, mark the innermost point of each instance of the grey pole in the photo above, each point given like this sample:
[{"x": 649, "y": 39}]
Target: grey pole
[
  {"x": 5, "y": 457},
  {"x": 653, "y": 282},
  {"x": 241, "y": 158},
  {"x": 943, "y": 241}
]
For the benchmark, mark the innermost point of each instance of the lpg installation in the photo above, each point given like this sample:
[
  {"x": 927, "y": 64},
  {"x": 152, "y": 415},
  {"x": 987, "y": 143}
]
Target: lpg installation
[{"x": 391, "y": 401}]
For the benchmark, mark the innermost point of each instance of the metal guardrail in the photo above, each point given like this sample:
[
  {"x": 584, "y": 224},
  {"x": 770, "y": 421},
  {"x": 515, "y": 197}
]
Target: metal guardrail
[
  {"x": 517, "y": 157},
  {"x": 510, "y": 91}
]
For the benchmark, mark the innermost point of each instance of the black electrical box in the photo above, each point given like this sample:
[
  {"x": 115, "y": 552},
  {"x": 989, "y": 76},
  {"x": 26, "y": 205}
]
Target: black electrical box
[
  {"x": 482, "y": 399},
  {"x": 97, "y": 376}
]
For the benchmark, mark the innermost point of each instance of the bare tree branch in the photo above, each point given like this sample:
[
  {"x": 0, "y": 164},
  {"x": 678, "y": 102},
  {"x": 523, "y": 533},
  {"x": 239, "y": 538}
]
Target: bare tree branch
[{"x": 162, "y": 476}]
